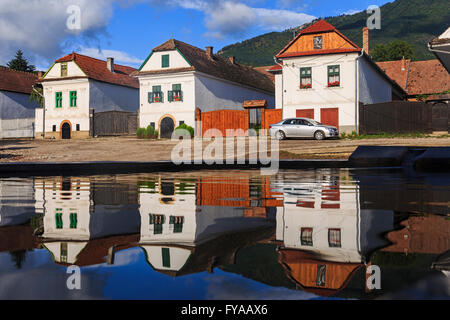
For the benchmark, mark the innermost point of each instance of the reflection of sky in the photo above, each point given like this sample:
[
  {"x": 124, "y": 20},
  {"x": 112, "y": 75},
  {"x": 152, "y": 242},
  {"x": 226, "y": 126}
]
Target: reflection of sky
[{"x": 131, "y": 277}]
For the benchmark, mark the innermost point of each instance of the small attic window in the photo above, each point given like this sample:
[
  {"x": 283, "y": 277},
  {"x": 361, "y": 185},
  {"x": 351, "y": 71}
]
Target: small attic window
[
  {"x": 318, "y": 41},
  {"x": 165, "y": 61},
  {"x": 64, "y": 69}
]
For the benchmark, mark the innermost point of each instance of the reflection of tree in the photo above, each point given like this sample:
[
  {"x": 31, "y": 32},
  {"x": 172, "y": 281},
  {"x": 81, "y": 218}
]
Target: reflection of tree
[{"x": 18, "y": 257}]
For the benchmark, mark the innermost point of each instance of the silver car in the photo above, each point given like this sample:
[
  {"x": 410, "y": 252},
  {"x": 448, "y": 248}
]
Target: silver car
[{"x": 302, "y": 128}]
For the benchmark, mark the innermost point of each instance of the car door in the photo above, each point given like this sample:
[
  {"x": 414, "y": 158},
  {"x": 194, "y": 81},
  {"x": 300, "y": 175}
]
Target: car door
[
  {"x": 304, "y": 129},
  {"x": 289, "y": 128}
]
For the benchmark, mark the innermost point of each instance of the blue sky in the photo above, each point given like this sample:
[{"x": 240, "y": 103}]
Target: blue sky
[{"x": 129, "y": 29}]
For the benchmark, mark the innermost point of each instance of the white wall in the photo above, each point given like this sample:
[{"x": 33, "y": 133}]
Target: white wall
[
  {"x": 320, "y": 95},
  {"x": 108, "y": 97},
  {"x": 72, "y": 71},
  {"x": 373, "y": 87},
  {"x": 17, "y": 115},
  {"x": 76, "y": 115},
  {"x": 16, "y": 201},
  {"x": 278, "y": 90},
  {"x": 217, "y": 94},
  {"x": 176, "y": 60},
  {"x": 180, "y": 110}
]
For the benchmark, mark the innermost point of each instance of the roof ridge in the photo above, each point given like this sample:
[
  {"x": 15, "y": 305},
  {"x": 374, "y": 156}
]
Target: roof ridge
[
  {"x": 75, "y": 54},
  {"x": 19, "y": 71}
]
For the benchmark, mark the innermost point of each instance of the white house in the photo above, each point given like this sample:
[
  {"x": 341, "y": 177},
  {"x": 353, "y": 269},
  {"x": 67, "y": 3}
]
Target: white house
[
  {"x": 17, "y": 112},
  {"x": 75, "y": 87},
  {"x": 441, "y": 48},
  {"x": 178, "y": 78},
  {"x": 323, "y": 75}
]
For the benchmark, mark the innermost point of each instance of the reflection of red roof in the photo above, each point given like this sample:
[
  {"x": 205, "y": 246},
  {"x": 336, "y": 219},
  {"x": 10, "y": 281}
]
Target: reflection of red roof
[
  {"x": 16, "y": 81},
  {"x": 301, "y": 267},
  {"x": 97, "y": 70}
]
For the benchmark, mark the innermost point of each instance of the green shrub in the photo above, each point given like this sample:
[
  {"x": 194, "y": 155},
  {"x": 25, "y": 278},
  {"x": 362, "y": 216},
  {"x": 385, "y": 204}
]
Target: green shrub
[
  {"x": 186, "y": 127},
  {"x": 147, "y": 133},
  {"x": 140, "y": 133}
]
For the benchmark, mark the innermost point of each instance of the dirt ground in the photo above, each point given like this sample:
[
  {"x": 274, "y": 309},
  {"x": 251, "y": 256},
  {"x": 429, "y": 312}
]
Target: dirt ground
[{"x": 133, "y": 149}]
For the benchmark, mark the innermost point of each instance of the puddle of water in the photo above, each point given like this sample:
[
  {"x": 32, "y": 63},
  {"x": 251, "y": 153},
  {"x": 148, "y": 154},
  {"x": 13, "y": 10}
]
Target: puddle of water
[{"x": 303, "y": 234}]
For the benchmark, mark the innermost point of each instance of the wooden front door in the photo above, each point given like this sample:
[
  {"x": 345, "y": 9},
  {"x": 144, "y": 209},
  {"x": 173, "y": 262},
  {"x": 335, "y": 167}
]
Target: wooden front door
[
  {"x": 66, "y": 131},
  {"x": 305, "y": 113},
  {"x": 167, "y": 127},
  {"x": 330, "y": 116}
]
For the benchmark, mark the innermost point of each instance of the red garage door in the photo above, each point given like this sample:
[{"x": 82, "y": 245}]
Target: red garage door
[
  {"x": 330, "y": 116},
  {"x": 305, "y": 113}
]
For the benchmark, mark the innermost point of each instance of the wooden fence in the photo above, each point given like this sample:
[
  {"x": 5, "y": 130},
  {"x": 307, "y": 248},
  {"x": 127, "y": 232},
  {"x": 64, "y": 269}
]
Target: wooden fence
[
  {"x": 114, "y": 123},
  {"x": 224, "y": 120},
  {"x": 396, "y": 117}
]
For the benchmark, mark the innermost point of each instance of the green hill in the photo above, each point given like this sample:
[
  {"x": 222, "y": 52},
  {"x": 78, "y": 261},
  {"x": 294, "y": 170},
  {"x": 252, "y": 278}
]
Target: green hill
[{"x": 415, "y": 21}]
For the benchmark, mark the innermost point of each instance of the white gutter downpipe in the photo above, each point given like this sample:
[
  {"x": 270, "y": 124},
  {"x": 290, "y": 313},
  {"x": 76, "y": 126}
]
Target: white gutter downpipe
[
  {"x": 282, "y": 85},
  {"x": 357, "y": 91}
]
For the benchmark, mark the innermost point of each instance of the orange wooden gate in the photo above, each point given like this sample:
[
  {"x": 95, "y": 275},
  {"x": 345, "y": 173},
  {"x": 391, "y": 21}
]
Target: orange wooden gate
[
  {"x": 269, "y": 117},
  {"x": 224, "y": 120},
  {"x": 330, "y": 116},
  {"x": 305, "y": 113}
]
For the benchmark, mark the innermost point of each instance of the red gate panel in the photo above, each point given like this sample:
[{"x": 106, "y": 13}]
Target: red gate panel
[
  {"x": 305, "y": 113},
  {"x": 330, "y": 116}
]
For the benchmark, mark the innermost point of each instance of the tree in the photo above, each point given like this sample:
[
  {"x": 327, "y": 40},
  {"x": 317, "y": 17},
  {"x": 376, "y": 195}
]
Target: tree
[
  {"x": 394, "y": 50},
  {"x": 19, "y": 63}
]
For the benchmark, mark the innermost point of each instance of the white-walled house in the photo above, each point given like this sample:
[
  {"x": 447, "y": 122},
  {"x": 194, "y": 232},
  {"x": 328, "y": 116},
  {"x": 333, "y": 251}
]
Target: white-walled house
[
  {"x": 17, "y": 112},
  {"x": 178, "y": 78},
  {"x": 324, "y": 76},
  {"x": 75, "y": 86}
]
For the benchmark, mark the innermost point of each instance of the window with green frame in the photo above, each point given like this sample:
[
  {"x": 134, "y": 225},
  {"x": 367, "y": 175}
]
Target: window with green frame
[
  {"x": 156, "y": 96},
  {"x": 177, "y": 223},
  {"x": 73, "y": 98},
  {"x": 305, "y": 78},
  {"x": 73, "y": 220},
  {"x": 157, "y": 220},
  {"x": 58, "y": 100},
  {"x": 58, "y": 219},
  {"x": 176, "y": 94},
  {"x": 334, "y": 76},
  {"x": 63, "y": 252},
  {"x": 165, "y": 61},
  {"x": 64, "y": 69}
]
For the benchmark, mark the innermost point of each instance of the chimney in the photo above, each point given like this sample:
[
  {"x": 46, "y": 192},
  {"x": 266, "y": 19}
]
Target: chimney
[
  {"x": 403, "y": 64},
  {"x": 110, "y": 64},
  {"x": 209, "y": 52},
  {"x": 232, "y": 59},
  {"x": 366, "y": 39}
]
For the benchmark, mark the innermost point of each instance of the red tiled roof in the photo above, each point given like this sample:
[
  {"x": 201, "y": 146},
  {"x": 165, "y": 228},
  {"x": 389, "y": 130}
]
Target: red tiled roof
[
  {"x": 216, "y": 66},
  {"x": 264, "y": 71},
  {"x": 275, "y": 68},
  {"x": 320, "y": 26},
  {"x": 255, "y": 104},
  {"x": 97, "y": 70},
  {"x": 397, "y": 71},
  {"x": 16, "y": 81},
  {"x": 427, "y": 77}
]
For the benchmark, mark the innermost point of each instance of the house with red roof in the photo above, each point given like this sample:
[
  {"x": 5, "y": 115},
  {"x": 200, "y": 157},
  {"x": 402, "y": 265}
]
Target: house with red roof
[
  {"x": 323, "y": 75},
  {"x": 177, "y": 79},
  {"x": 16, "y": 110},
  {"x": 77, "y": 86}
]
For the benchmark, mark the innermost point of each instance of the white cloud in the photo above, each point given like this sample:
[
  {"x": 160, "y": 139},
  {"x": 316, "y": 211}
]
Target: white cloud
[
  {"x": 351, "y": 11},
  {"x": 235, "y": 18},
  {"x": 120, "y": 57},
  {"x": 39, "y": 27}
]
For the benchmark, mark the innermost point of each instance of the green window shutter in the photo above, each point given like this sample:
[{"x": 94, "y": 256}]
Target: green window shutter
[
  {"x": 170, "y": 96},
  {"x": 156, "y": 88},
  {"x": 334, "y": 76},
  {"x": 150, "y": 97},
  {"x": 58, "y": 100},
  {"x": 73, "y": 98},
  {"x": 162, "y": 96},
  {"x": 165, "y": 257},
  {"x": 157, "y": 229},
  {"x": 176, "y": 87},
  {"x": 165, "y": 61}
]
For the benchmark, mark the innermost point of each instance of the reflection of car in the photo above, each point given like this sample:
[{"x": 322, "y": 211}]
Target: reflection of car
[{"x": 302, "y": 128}]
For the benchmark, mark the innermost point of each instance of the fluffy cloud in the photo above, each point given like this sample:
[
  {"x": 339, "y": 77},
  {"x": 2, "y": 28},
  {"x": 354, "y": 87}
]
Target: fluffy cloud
[
  {"x": 39, "y": 27},
  {"x": 120, "y": 57},
  {"x": 235, "y": 18}
]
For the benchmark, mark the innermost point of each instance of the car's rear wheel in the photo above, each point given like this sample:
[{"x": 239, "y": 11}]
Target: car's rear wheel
[
  {"x": 280, "y": 135},
  {"x": 319, "y": 135}
]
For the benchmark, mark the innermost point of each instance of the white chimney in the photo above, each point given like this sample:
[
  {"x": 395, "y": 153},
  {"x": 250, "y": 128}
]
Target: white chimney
[{"x": 110, "y": 64}]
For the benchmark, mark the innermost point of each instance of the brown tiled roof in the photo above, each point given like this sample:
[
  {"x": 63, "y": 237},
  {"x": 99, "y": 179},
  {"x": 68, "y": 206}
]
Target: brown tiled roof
[
  {"x": 216, "y": 66},
  {"x": 264, "y": 71},
  {"x": 97, "y": 70},
  {"x": 427, "y": 77},
  {"x": 16, "y": 81},
  {"x": 397, "y": 71}
]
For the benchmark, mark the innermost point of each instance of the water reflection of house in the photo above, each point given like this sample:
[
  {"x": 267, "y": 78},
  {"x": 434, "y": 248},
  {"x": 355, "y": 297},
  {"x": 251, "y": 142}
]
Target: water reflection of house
[
  {"x": 16, "y": 201},
  {"x": 83, "y": 218},
  {"x": 325, "y": 237},
  {"x": 193, "y": 226}
]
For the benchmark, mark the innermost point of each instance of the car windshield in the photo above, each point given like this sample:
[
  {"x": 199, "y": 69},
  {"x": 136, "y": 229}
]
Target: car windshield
[{"x": 314, "y": 122}]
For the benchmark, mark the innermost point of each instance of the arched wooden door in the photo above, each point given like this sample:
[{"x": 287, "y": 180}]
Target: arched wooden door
[
  {"x": 167, "y": 127},
  {"x": 66, "y": 131}
]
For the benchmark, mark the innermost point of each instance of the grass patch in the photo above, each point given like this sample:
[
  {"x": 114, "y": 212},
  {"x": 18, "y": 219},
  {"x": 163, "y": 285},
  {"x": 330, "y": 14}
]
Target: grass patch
[{"x": 355, "y": 136}]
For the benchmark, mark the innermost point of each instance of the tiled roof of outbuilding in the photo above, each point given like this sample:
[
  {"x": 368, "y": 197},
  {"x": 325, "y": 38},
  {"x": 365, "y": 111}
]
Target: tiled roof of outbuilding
[{"x": 16, "y": 81}]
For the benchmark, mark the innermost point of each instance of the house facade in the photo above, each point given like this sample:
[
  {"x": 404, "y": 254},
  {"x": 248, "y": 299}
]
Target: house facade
[
  {"x": 177, "y": 79},
  {"x": 441, "y": 48},
  {"x": 76, "y": 87},
  {"x": 17, "y": 112},
  {"x": 323, "y": 75}
]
